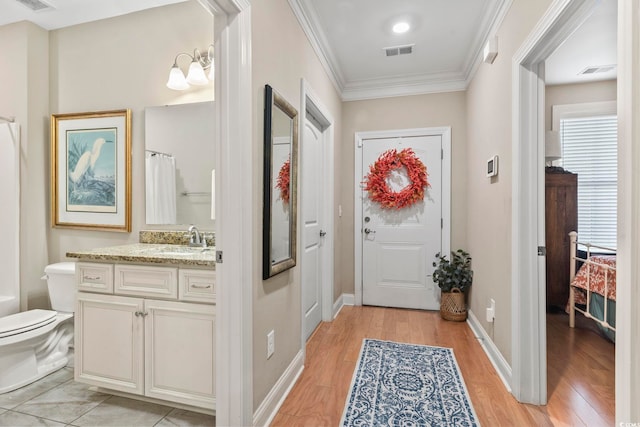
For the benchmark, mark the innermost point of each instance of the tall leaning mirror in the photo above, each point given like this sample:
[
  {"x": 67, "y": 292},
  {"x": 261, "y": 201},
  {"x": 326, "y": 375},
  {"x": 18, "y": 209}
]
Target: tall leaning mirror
[{"x": 280, "y": 183}]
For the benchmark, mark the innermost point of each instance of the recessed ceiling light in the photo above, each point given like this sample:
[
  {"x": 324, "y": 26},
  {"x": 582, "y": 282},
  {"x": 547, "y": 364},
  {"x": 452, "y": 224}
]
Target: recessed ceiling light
[{"x": 401, "y": 27}]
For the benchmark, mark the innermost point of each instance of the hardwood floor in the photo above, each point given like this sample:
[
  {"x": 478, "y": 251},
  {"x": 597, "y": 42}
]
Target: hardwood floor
[{"x": 580, "y": 377}]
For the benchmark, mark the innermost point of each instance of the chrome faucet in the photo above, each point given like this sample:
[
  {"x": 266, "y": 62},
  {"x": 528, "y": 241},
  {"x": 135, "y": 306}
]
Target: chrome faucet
[{"x": 195, "y": 239}]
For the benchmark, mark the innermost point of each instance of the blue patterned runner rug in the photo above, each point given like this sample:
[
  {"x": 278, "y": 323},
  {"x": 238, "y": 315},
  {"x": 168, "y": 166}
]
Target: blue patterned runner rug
[{"x": 407, "y": 385}]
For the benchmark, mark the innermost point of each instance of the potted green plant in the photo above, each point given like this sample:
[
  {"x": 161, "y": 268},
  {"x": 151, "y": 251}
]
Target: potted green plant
[{"x": 453, "y": 277}]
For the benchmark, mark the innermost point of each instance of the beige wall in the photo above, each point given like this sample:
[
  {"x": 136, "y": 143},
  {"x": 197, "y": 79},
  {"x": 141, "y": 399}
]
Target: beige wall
[
  {"x": 441, "y": 109},
  {"x": 116, "y": 63},
  {"x": 24, "y": 84},
  {"x": 281, "y": 55},
  {"x": 124, "y": 62},
  {"x": 489, "y": 129},
  {"x": 577, "y": 93}
]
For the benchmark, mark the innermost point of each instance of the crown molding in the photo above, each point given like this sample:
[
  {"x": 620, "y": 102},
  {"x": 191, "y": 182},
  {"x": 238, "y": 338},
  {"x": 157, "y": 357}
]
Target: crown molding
[
  {"x": 227, "y": 7},
  {"x": 397, "y": 85},
  {"x": 403, "y": 86},
  {"x": 491, "y": 23},
  {"x": 308, "y": 20}
]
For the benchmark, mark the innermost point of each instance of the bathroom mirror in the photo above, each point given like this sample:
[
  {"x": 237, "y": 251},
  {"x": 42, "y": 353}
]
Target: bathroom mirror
[
  {"x": 179, "y": 160},
  {"x": 280, "y": 184}
]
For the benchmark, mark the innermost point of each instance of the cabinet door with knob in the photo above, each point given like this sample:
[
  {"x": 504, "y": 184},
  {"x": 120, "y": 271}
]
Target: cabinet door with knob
[
  {"x": 109, "y": 341},
  {"x": 180, "y": 348}
]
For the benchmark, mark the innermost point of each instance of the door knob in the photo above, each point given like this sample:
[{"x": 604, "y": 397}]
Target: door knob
[
  {"x": 323, "y": 233},
  {"x": 369, "y": 231}
]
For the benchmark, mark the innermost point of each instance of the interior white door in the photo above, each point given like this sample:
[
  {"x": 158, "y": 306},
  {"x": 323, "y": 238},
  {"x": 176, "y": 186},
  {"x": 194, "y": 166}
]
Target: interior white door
[
  {"x": 399, "y": 245},
  {"x": 312, "y": 195}
]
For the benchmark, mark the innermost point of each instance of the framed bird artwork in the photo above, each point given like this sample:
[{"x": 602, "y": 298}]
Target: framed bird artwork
[{"x": 91, "y": 170}]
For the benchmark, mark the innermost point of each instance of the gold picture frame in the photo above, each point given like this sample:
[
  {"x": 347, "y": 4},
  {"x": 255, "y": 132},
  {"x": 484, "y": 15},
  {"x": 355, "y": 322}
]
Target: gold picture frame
[{"x": 91, "y": 170}]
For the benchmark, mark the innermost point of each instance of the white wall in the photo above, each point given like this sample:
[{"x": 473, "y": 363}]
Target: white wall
[
  {"x": 281, "y": 56},
  {"x": 121, "y": 62},
  {"x": 24, "y": 84},
  {"x": 440, "y": 109},
  {"x": 577, "y": 93},
  {"x": 489, "y": 129},
  {"x": 124, "y": 62}
]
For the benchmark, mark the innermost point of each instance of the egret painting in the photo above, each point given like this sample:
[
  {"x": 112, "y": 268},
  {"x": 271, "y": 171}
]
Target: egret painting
[{"x": 91, "y": 170}]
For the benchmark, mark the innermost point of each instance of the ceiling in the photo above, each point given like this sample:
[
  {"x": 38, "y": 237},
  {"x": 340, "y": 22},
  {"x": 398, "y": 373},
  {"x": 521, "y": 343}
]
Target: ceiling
[
  {"x": 447, "y": 38},
  {"x": 350, "y": 36},
  {"x": 64, "y": 13},
  {"x": 592, "y": 45}
]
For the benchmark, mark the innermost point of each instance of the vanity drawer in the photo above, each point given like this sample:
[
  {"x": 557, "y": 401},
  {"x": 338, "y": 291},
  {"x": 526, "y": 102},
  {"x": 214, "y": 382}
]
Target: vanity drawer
[
  {"x": 157, "y": 282},
  {"x": 94, "y": 277},
  {"x": 197, "y": 285}
]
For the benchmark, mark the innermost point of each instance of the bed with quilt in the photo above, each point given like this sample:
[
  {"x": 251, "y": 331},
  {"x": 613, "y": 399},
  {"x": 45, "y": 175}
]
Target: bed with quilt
[{"x": 592, "y": 289}]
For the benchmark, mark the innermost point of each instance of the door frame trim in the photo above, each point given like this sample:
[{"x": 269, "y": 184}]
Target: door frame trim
[
  {"x": 309, "y": 101},
  {"x": 528, "y": 281},
  {"x": 360, "y": 138},
  {"x": 234, "y": 208}
]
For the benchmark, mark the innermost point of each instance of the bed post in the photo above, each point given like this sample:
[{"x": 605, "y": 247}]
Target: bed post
[{"x": 572, "y": 273}]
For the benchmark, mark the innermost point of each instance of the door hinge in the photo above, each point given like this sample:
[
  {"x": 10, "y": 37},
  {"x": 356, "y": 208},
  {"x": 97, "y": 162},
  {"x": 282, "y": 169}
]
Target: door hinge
[
  {"x": 542, "y": 251},
  {"x": 441, "y": 154},
  {"x": 218, "y": 257},
  {"x": 441, "y": 222}
]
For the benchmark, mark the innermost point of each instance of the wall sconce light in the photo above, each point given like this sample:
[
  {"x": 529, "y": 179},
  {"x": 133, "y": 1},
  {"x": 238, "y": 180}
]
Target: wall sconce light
[{"x": 196, "y": 74}]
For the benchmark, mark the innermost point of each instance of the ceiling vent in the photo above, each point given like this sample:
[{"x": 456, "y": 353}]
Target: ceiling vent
[
  {"x": 35, "y": 5},
  {"x": 598, "y": 69},
  {"x": 399, "y": 50}
]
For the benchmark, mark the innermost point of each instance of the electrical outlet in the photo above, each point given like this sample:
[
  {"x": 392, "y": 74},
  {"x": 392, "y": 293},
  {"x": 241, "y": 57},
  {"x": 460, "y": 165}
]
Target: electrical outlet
[
  {"x": 271, "y": 343},
  {"x": 491, "y": 310}
]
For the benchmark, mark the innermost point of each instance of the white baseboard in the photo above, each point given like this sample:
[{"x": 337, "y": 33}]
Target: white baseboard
[
  {"x": 270, "y": 405},
  {"x": 348, "y": 299},
  {"x": 344, "y": 299},
  {"x": 497, "y": 360}
]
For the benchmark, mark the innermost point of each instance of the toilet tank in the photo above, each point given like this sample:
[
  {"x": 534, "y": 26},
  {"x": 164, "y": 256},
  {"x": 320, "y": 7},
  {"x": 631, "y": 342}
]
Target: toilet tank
[{"x": 61, "y": 281}]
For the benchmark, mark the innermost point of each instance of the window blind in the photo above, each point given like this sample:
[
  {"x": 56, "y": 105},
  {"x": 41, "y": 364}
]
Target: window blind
[{"x": 590, "y": 149}]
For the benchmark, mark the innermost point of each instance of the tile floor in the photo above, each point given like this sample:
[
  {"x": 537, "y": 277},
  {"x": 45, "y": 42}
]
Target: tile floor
[{"x": 57, "y": 400}]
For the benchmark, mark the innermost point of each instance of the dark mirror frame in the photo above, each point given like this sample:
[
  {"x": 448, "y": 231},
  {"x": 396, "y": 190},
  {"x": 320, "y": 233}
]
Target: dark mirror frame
[{"x": 273, "y": 100}]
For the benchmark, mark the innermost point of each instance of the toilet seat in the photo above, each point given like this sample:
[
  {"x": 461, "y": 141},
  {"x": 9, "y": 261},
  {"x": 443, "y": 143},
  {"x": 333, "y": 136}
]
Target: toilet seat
[{"x": 25, "y": 321}]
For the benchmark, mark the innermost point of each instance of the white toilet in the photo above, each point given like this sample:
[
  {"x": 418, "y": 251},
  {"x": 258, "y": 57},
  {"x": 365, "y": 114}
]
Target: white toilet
[{"x": 35, "y": 343}]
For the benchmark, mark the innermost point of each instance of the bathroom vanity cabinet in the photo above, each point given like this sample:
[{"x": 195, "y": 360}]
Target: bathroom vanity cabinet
[{"x": 147, "y": 330}]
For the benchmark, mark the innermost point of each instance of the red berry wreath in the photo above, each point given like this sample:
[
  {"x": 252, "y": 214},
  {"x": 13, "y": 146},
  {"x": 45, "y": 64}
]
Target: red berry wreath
[
  {"x": 376, "y": 181},
  {"x": 282, "y": 182}
]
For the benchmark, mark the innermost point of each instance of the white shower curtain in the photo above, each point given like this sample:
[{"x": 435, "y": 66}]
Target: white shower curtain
[
  {"x": 160, "y": 188},
  {"x": 10, "y": 218}
]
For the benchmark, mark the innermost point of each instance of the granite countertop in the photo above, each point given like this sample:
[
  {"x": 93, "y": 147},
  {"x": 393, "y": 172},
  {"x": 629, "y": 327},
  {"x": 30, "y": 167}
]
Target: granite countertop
[{"x": 151, "y": 253}]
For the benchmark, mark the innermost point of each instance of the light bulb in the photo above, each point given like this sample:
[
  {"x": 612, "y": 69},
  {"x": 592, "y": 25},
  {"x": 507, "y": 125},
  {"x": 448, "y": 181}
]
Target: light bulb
[
  {"x": 401, "y": 27},
  {"x": 196, "y": 74},
  {"x": 176, "y": 79}
]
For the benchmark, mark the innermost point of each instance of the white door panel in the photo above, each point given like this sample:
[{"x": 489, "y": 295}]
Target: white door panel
[
  {"x": 311, "y": 194},
  {"x": 400, "y": 247}
]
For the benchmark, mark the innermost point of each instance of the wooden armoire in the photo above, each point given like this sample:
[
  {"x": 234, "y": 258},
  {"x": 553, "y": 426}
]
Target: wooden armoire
[{"x": 561, "y": 217}]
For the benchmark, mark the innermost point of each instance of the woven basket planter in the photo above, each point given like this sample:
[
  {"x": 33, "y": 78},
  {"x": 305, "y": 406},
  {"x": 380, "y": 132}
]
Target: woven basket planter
[{"x": 452, "y": 306}]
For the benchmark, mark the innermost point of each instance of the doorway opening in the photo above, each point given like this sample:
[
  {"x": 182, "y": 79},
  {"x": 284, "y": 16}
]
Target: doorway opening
[
  {"x": 529, "y": 334},
  {"x": 316, "y": 200}
]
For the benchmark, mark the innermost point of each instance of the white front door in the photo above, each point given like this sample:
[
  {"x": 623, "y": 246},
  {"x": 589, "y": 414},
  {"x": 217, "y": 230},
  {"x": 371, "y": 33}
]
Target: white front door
[
  {"x": 312, "y": 194},
  {"x": 400, "y": 245}
]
